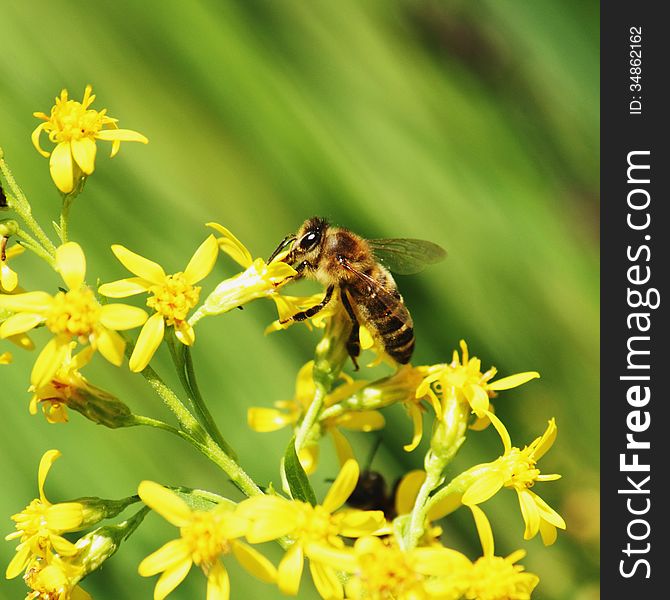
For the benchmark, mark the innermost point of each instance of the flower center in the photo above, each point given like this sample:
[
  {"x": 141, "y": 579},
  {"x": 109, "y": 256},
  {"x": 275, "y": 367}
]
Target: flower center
[
  {"x": 204, "y": 539},
  {"x": 387, "y": 574},
  {"x": 520, "y": 471},
  {"x": 494, "y": 578},
  {"x": 315, "y": 525},
  {"x": 174, "y": 298},
  {"x": 74, "y": 313},
  {"x": 70, "y": 120}
]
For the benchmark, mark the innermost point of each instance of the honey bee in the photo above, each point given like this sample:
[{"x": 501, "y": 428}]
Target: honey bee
[{"x": 360, "y": 269}]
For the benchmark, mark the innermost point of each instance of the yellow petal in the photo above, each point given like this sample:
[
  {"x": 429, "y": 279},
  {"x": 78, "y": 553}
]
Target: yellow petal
[
  {"x": 342, "y": 487},
  {"x": 232, "y": 246},
  {"x": 71, "y": 264},
  {"x": 365, "y": 420},
  {"x": 46, "y": 462},
  {"x": 35, "y": 137},
  {"x": 530, "y": 514},
  {"x": 20, "y": 323},
  {"x": 486, "y": 486},
  {"x": 502, "y": 431},
  {"x": 8, "y": 278},
  {"x": 83, "y": 152},
  {"x": 484, "y": 531},
  {"x": 343, "y": 448},
  {"x": 22, "y": 341},
  {"x": 122, "y": 316},
  {"x": 29, "y": 302},
  {"x": 445, "y": 506},
  {"x": 547, "y": 513},
  {"x": 148, "y": 341},
  {"x": 60, "y": 166},
  {"x": 407, "y": 491},
  {"x": 169, "y": 580},
  {"x": 111, "y": 345},
  {"x": 340, "y": 559},
  {"x": 66, "y": 516},
  {"x": 218, "y": 582},
  {"x": 548, "y": 533},
  {"x": 184, "y": 333},
  {"x": 254, "y": 562},
  {"x": 356, "y": 523},
  {"x": 304, "y": 384},
  {"x": 290, "y": 570},
  {"x": 513, "y": 381},
  {"x": 271, "y": 517},
  {"x": 438, "y": 561},
  {"x": 203, "y": 261},
  {"x": 124, "y": 287},
  {"x": 267, "y": 419},
  {"x": 477, "y": 398},
  {"x": 166, "y": 503},
  {"x": 166, "y": 557},
  {"x": 417, "y": 422},
  {"x": 121, "y": 135},
  {"x": 145, "y": 268},
  {"x": 326, "y": 581},
  {"x": 309, "y": 457},
  {"x": 19, "y": 562},
  {"x": 546, "y": 441},
  {"x": 62, "y": 546},
  {"x": 49, "y": 361}
]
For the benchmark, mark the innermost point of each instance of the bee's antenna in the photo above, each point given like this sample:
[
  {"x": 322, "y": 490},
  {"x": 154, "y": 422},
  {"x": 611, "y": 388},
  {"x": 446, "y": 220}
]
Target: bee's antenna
[
  {"x": 285, "y": 242},
  {"x": 373, "y": 451}
]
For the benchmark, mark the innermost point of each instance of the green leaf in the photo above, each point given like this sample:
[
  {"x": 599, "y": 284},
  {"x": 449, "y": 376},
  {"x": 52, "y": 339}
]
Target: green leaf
[{"x": 296, "y": 477}]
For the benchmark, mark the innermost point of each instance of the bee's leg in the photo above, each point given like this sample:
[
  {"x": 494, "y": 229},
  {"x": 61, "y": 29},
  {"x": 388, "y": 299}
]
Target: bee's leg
[
  {"x": 353, "y": 343},
  {"x": 310, "y": 312}
]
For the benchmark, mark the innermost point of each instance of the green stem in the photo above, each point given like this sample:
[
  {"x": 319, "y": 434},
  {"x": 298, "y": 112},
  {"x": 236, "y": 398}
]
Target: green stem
[
  {"x": 19, "y": 203},
  {"x": 34, "y": 246},
  {"x": 149, "y": 422},
  {"x": 65, "y": 216}
]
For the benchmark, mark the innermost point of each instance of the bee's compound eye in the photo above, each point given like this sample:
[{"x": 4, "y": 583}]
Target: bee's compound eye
[{"x": 309, "y": 241}]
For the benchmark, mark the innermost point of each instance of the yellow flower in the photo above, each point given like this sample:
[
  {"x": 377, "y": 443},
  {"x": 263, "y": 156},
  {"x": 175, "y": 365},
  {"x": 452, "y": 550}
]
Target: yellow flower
[
  {"x": 72, "y": 315},
  {"x": 8, "y": 278},
  {"x": 67, "y": 387},
  {"x": 516, "y": 469},
  {"x": 290, "y": 412},
  {"x": 258, "y": 280},
  {"x": 464, "y": 379},
  {"x": 205, "y": 536},
  {"x": 55, "y": 581},
  {"x": 171, "y": 296},
  {"x": 273, "y": 517},
  {"x": 74, "y": 127},
  {"x": 494, "y": 577},
  {"x": 383, "y": 571},
  {"x": 40, "y": 525}
]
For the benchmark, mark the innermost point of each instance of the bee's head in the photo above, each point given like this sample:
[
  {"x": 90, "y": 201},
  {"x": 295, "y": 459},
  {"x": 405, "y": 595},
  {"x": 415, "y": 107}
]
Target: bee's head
[{"x": 306, "y": 243}]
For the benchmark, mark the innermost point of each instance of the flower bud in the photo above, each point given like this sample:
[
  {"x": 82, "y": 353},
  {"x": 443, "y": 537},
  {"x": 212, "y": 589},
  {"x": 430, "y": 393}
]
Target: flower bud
[
  {"x": 8, "y": 227},
  {"x": 98, "y": 509}
]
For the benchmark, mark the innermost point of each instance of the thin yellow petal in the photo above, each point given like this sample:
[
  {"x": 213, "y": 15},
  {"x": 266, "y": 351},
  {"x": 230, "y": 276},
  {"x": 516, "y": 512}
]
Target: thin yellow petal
[
  {"x": 513, "y": 381},
  {"x": 148, "y": 341},
  {"x": 502, "y": 431},
  {"x": 271, "y": 518},
  {"x": 309, "y": 457},
  {"x": 486, "y": 486},
  {"x": 184, "y": 333},
  {"x": 254, "y": 562},
  {"x": 169, "y": 580},
  {"x": 167, "y": 556},
  {"x": 46, "y": 463},
  {"x": 71, "y": 264},
  {"x": 530, "y": 514},
  {"x": 49, "y": 361},
  {"x": 340, "y": 559},
  {"x": 407, "y": 491},
  {"x": 111, "y": 345},
  {"x": 83, "y": 152},
  {"x": 123, "y": 288},
  {"x": 232, "y": 246},
  {"x": 35, "y": 138},
  {"x": 546, "y": 441},
  {"x": 60, "y": 166},
  {"x": 484, "y": 531},
  {"x": 445, "y": 506},
  {"x": 65, "y": 516},
  {"x": 477, "y": 398},
  {"x": 547, "y": 513},
  {"x": 203, "y": 261},
  {"x": 8, "y": 278},
  {"x": 62, "y": 546},
  {"x": 417, "y": 423},
  {"x": 19, "y": 562},
  {"x": 20, "y": 323},
  {"x": 548, "y": 533},
  {"x": 218, "y": 583},
  {"x": 121, "y": 135},
  {"x": 122, "y": 316},
  {"x": 267, "y": 419},
  {"x": 343, "y": 448},
  {"x": 29, "y": 302},
  {"x": 326, "y": 581},
  {"x": 356, "y": 523},
  {"x": 290, "y": 570},
  {"x": 166, "y": 503},
  {"x": 365, "y": 420},
  {"x": 342, "y": 487},
  {"x": 143, "y": 267}
]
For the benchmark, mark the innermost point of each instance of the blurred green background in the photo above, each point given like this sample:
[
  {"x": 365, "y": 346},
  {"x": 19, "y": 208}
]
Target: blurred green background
[{"x": 472, "y": 124}]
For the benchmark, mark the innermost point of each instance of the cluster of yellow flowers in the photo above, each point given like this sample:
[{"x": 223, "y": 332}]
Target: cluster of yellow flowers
[{"x": 394, "y": 551}]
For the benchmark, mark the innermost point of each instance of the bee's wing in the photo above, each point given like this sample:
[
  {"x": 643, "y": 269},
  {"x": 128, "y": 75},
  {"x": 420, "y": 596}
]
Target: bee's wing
[
  {"x": 406, "y": 256},
  {"x": 374, "y": 287}
]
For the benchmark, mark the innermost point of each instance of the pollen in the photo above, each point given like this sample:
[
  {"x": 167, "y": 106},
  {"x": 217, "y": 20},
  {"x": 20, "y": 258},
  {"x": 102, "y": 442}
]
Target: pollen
[
  {"x": 204, "y": 538},
  {"x": 74, "y": 313},
  {"x": 72, "y": 120},
  {"x": 495, "y": 578},
  {"x": 315, "y": 524},
  {"x": 520, "y": 471},
  {"x": 173, "y": 298},
  {"x": 386, "y": 574}
]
